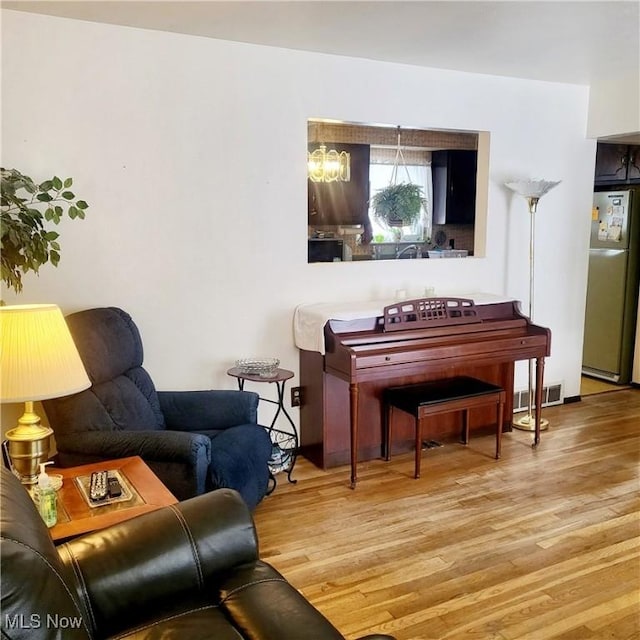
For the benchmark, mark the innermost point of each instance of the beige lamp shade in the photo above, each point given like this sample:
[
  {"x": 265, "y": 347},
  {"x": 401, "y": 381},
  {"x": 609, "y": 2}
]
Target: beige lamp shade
[{"x": 39, "y": 359}]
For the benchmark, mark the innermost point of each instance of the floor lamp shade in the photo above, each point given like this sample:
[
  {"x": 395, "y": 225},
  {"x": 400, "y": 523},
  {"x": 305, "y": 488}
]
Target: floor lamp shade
[{"x": 38, "y": 360}]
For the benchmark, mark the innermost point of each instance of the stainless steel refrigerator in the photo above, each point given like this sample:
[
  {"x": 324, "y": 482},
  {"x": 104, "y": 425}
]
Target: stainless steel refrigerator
[{"x": 612, "y": 285}]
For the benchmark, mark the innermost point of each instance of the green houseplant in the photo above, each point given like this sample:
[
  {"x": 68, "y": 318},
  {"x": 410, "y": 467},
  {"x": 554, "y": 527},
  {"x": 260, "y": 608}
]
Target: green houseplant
[
  {"x": 25, "y": 208},
  {"x": 398, "y": 205}
]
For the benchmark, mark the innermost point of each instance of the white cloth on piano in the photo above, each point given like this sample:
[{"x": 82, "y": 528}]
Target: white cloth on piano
[{"x": 309, "y": 319}]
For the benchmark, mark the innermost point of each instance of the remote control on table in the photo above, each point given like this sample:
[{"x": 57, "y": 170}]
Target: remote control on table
[
  {"x": 98, "y": 486},
  {"x": 115, "y": 490}
]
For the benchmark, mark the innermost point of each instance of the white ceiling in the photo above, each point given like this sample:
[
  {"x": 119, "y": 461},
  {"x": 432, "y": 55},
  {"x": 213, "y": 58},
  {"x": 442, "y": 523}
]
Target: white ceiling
[{"x": 574, "y": 42}]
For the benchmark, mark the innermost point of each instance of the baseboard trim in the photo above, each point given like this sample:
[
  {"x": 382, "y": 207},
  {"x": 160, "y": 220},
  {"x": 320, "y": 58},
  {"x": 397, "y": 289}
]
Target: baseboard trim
[{"x": 572, "y": 399}]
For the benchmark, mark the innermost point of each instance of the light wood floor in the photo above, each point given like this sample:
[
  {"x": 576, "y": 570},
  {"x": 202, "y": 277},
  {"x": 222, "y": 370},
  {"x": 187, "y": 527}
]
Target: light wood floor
[
  {"x": 589, "y": 386},
  {"x": 541, "y": 544}
]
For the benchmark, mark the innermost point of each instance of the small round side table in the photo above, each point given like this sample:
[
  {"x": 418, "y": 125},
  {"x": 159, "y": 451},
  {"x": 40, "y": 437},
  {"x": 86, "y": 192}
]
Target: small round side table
[{"x": 285, "y": 449}]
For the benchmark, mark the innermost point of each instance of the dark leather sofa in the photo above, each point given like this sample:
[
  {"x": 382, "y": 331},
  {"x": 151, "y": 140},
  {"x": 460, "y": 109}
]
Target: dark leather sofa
[{"x": 190, "y": 571}]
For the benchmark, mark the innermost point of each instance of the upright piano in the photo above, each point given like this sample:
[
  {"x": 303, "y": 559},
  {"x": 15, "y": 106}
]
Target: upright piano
[{"x": 343, "y": 376}]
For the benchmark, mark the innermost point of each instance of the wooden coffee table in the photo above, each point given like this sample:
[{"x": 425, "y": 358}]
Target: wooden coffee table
[{"x": 76, "y": 517}]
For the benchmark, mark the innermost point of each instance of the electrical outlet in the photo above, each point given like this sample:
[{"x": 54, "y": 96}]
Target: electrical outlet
[{"x": 296, "y": 396}]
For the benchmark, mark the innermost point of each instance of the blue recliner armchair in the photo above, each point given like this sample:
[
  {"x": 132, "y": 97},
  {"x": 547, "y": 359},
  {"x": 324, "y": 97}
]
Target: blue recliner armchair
[{"x": 194, "y": 441}]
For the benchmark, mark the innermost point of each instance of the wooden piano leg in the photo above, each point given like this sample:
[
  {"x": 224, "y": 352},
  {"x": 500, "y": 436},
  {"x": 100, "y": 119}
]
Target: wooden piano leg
[
  {"x": 387, "y": 416},
  {"x": 465, "y": 426},
  {"x": 353, "y": 401},
  {"x": 418, "y": 452},
  {"x": 538, "y": 403},
  {"x": 499, "y": 426}
]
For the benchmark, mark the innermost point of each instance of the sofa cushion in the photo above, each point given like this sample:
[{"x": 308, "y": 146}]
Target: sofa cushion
[
  {"x": 126, "y": 402},
  {"x": 203, "y": 623},
  {"x": 122, "y": 395},
  {"x": 108, "y": 341}
]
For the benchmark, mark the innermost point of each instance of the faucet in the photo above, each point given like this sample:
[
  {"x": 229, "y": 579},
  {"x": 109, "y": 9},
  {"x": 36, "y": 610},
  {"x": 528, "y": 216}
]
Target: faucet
[{"x": 410, "y": 247}]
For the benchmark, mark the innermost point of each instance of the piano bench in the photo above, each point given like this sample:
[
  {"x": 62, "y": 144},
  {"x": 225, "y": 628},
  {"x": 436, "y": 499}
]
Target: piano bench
[{"x": 426, "y": 399}]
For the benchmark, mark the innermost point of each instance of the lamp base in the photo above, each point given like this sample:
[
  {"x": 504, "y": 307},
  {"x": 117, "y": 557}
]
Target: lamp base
[
  {"x": 28, "y": 446},
  {"x": 26, "y": 457},
  {"x": 528, "y": 423}
]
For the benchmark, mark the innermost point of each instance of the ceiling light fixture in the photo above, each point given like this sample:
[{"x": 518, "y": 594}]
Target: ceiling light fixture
[{"x": 328, "y": 166}]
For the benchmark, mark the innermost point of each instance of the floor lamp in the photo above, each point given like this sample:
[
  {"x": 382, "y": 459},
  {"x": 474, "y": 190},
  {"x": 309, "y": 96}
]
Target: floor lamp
[{"x": 532, "y": 191}]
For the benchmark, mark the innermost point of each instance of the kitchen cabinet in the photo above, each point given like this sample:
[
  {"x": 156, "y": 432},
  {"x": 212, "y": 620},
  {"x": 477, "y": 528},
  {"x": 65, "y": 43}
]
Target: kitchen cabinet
[
  {"x": 454, "y": 186},
  {"x": 617, "y": 164}
]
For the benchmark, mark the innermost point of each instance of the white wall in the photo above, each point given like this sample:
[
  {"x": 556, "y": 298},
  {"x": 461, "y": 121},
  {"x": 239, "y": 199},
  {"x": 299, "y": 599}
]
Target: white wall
[
  {"x": 614, "y": 100},
  {"x": 614, "y": 104},
  {"x": 191, "y": 153}
]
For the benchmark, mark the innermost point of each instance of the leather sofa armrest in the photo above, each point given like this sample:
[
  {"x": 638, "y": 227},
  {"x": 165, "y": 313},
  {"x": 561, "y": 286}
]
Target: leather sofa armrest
[
  {"x": 127, "y": 574},
  {"x": 208, "y": 410},
  {"x": 264, "y": 605},
  {"x": 288, "y": 615}
]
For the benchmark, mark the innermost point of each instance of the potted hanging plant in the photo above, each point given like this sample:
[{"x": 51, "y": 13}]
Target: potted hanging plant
[
  {"x": 25, "y": 209},
  {"x": 398, "y": 205}
]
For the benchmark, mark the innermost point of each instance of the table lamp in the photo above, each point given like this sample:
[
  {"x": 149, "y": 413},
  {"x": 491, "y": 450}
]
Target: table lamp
[{"x": 38, "y": 360}]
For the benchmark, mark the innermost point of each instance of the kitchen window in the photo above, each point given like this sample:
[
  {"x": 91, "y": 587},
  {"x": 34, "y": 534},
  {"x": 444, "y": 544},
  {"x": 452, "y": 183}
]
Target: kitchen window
[{"x": 416, "y": 171}]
